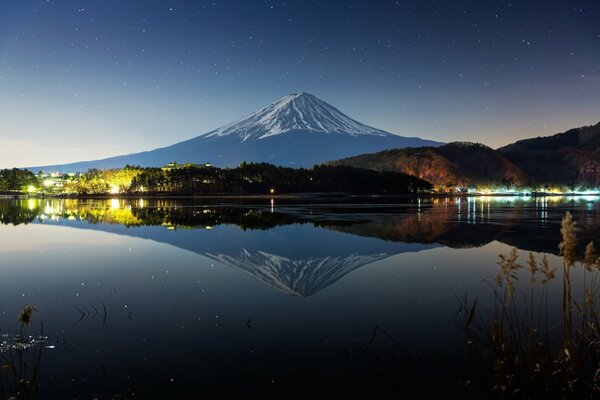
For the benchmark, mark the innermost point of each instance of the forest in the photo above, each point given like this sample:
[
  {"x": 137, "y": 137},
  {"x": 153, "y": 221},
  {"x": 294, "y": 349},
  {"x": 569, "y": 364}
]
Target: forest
[{"x": 247, "y": 178}]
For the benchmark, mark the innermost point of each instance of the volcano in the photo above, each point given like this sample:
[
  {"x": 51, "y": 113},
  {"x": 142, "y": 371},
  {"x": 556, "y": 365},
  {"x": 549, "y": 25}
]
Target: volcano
[{"x": 298, "y": 130}]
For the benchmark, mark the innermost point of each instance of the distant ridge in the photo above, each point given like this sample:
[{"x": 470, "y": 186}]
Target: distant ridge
[
  {"x": 570, "y": 159},
  {"x": 457, "y": 164},
  {"x": 583, "y": 138},
  {"x": 298, "y": 130}
]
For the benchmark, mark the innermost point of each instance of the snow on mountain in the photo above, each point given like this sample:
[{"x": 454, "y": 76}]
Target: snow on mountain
[
  {"x": 297, "y": 111},
  {"x": 298, "y": 130}
]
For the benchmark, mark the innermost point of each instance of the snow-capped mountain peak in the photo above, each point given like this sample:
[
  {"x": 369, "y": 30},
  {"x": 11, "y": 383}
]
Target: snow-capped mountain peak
[
  {"x": 298, "y": 130},
  {"x": 295, "y": 112}
]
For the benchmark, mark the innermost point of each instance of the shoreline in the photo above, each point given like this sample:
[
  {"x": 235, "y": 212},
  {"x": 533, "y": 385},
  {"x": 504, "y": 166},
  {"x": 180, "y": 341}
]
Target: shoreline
[{"x": 287, "y": 196}]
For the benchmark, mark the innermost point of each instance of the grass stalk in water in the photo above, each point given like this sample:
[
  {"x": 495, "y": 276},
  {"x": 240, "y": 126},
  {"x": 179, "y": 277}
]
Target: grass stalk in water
[
  {"x": 531, "y": 354},
  {"x": 20, "y": 357}
]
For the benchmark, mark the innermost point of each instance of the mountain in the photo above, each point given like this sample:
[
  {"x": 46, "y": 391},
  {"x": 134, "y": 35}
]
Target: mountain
[
  {"x": 298, "y": 130},
  {"x": 297, "y": 111},
  {"x": 455, "y": 164},
  {"x": 570, "y": 158},
  {"x": 585, "y": 138}
]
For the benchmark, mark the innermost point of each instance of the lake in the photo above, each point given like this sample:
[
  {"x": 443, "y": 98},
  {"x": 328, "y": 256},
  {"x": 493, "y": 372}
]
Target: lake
[{"x": 173, "y": 298}]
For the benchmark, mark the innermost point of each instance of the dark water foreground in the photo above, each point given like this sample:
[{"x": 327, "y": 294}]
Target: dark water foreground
[{"x": 159, "y": 298}]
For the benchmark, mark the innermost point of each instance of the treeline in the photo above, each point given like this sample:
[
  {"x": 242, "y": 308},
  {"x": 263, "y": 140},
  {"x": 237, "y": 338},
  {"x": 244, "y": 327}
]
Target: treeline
[
  {"x": 96, "y": 181},
  {"x": 17, "y": 180},
  {"x": 248, "y": 178},
  {"x": 262, "y": 178}
]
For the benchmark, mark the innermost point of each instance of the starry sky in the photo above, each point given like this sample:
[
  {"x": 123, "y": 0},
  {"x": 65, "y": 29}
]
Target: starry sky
[{"x": 89, "y": 79}]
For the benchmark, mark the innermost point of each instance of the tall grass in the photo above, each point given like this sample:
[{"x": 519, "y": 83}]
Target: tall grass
[
  {"x": 520, "y": 345},
  {"x": 20, "y": 356}
]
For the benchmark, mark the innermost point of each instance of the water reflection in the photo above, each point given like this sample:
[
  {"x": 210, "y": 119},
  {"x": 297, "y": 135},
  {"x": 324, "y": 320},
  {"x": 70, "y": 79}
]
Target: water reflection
[
  {"x": 524, "y": 222},
  {"x": 361, "y": 282},
  {"x": 317, "y": 258}
]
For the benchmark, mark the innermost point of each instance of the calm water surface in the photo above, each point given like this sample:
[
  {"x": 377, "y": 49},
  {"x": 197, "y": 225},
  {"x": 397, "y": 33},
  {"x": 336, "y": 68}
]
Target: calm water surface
[{"x": 149, "y": 298}]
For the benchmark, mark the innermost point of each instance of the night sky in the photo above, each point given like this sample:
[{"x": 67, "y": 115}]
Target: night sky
[{"x": 88, "y": 79}]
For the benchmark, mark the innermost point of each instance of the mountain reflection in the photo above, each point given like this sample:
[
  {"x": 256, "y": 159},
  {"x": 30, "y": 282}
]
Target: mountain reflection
[
  {"x": 301, "y": 248},
  {"x": 526, "y": 223},
  {"x": 285, "y": 250}
]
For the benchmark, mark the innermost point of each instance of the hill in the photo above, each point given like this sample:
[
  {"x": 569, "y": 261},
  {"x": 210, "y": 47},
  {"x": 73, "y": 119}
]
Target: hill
[
  {"x": 458, "y": 164},
  {"x": 571, "y": 158}
]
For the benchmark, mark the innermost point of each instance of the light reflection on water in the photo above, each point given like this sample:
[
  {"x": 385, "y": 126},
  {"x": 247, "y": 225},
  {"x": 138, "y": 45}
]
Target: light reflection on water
[
  {"x": 13, "y": 342},
  {"x": 273, "y": 292}
]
